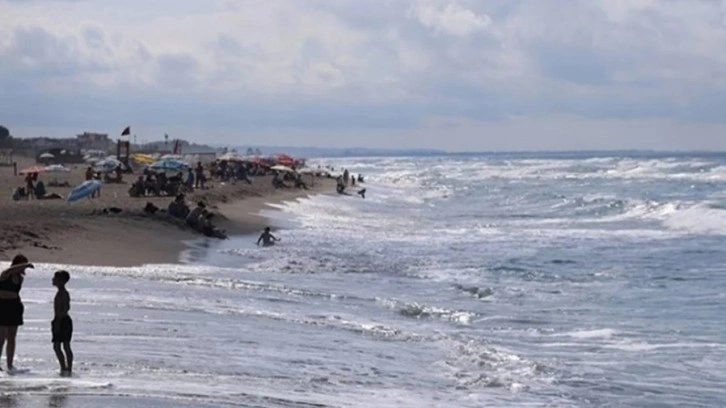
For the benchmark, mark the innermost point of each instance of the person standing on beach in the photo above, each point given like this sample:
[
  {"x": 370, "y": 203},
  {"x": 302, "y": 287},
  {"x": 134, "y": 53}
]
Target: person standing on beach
[
  {"x": 189, "y": 183},
  {"x": 62, "y": 325},
  {"x": 29, "y": 186},
  {"x": 11, "y": 307},
  {"x": 199, "y": 170}
]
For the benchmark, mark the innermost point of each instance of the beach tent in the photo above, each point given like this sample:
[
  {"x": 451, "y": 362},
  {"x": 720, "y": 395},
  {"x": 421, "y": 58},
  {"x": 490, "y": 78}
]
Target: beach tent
[
  {"x": 34, "y": 169},
  {"x": 84, "y": 190},
  {"x": 168, "y": 165}
]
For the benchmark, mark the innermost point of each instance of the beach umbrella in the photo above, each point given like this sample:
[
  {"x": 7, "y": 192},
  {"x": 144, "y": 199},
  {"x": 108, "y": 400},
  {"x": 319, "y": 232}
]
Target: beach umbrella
[
  {"x": 143, "y": 158},
  {"x": 313, "y": 171},
  {"x": 279, "y": 167},
  {"x": 47, "y": 156},
  {"x": 107, "y": 165},
  {"x": 232, "y": 156},
  {"x": 168, "y": 165},
  {"x": 285, "y": 160},
  {"x": 33, "y": 169},
  {"x": 83, "y": 190},
  {"x": 57, "y": 168}
]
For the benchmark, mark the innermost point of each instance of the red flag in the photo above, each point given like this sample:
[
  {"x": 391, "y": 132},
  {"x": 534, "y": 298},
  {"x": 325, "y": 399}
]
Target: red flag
[{"x": 126, "y": 131}]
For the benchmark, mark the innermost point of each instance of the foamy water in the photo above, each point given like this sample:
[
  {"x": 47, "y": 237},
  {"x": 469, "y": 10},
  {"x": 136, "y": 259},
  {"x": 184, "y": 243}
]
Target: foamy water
[{"x": 502, "y": 280}]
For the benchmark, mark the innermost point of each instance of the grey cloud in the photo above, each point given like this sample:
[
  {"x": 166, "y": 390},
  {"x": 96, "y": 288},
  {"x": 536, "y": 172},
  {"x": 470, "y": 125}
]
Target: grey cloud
[
  {"x": 573, "y": 74},
  {"x": 574, "y": 64}
]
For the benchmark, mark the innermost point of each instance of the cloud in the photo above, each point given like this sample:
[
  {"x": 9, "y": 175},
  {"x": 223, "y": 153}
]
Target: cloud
[{"x": 387, "y": 69}]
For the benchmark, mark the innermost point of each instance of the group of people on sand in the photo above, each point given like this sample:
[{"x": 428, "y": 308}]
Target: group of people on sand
[
  {"x": 12, "y": 310},
  {"x": 346, "y": 179},
  {"x": 158, "y": 184},
  {"x": 34, "y": 189},
  {"x": 278, "y": 181},
  {"x": 199, "y": 218}
]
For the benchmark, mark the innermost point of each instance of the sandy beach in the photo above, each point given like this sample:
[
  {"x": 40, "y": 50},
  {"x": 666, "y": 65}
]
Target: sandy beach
[{"x": 80, "y": 233}]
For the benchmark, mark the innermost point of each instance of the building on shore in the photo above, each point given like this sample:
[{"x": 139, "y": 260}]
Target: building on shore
[
  {"x": 94, "y": 141},
  {"x": 82, "y": 142}
]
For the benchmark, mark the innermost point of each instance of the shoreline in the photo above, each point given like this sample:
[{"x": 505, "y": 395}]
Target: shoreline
[{"x": 54, "y": 231}]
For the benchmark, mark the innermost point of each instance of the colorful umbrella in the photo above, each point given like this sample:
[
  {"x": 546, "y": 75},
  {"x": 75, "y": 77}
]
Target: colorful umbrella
[
  {"x": 34, "y": 169},
  {"x": 285, "y": 160},
  {"x": 83, "y": 190},
  {"x": 107, "y": 165},
  {"x": 168, "y": 165}
]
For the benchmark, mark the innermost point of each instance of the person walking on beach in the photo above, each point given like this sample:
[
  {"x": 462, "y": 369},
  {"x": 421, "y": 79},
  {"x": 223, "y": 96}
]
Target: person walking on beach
[
  {"x": 267, "y": 238},
  {"x": 11, "y": 307},
  {"x": 62, "y": 325}
]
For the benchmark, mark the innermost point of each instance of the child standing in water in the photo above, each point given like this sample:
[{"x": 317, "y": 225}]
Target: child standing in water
[{"x": 62, "y": 325}]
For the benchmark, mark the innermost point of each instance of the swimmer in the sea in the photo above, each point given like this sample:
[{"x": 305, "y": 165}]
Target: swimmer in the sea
[{"x": 267, "y": 238}]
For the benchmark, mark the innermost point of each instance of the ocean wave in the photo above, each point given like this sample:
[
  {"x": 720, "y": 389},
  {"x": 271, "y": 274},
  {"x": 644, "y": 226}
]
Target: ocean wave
[
  {"x": 689, "y": 217},
  {"x": 422, "y": 311},
  {"x": 474, "y": 364}
]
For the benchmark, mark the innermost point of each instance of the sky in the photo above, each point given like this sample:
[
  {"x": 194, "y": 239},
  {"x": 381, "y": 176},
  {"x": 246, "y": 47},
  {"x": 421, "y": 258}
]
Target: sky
[{"x": 458, "y": 75}]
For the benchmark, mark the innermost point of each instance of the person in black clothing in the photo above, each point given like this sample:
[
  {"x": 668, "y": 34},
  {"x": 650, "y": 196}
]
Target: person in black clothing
[
  {"x": 11, "y": 307},
  {"x": 62, "y": 325}
]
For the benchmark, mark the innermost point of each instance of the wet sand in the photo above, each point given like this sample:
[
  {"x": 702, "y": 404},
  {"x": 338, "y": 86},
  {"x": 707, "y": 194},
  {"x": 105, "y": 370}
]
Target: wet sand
[{"x": 54, "y": 231}]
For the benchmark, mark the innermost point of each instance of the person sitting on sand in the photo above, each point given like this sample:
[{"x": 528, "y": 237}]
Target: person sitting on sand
[
  {"x": 193, "y": 217},
  {"x": 89, "y": 173},
  {"x": 19, "y": 194},
  {"x": 243, "y": 173},
  {"x": 299, "y": 183},
  {"x": 41, "y": 194},
  {"x": 278, "y": 181},
  {"x": 267, "y": 238},
  {"x": 340, "y": 186},
  {"x": 178, "y": 208},
  {"x": 137, "y": 189},
  {"x": 208, "y": 229}
]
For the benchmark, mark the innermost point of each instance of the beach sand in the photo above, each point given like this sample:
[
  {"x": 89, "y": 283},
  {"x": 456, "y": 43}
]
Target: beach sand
[{"x": 55, "y": 231}]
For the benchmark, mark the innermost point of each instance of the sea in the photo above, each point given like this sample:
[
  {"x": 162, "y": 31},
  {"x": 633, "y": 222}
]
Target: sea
[{"x": 573, "y": 279}]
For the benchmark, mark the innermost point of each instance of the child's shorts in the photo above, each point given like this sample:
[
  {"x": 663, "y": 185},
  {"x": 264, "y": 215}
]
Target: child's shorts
[{"x": 63, "y": 330}]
